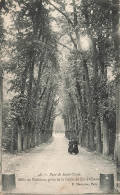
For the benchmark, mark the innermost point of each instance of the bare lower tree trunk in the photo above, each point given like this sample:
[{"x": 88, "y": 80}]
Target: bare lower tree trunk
[
  {"x": 98, "y": 135},
  {"x": 12, "y": 141},
  {"x": 24, "y": 141},
  {"x": 33, "y": 136},
  {"x": 105, "y": 137},
  {"x": 28, "y": 134},
  {"x": 19, "y": 143},
  {"x": 83, "y": 135},
  {"x": 67, "y": 126}
]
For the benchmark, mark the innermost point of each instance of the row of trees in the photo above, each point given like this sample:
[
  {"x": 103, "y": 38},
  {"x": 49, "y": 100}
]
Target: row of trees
[
  {"x": 28, "y": 117},
  {"x": 89, "y": 77}
]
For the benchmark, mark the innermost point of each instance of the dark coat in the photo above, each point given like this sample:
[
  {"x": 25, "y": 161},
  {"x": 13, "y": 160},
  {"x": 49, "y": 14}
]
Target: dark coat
[
  {"x": 75, "y": 149},
  {"x": 70, "y": 148}
]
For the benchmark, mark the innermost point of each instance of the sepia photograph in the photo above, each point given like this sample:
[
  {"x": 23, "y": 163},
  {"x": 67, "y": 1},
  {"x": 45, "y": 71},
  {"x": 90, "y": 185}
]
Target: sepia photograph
[{"x": 59, "y": 97}]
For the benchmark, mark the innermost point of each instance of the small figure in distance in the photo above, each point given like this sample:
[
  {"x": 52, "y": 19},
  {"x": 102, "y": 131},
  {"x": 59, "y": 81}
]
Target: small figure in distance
[
  {"x": 70, "y": 146},
  {"x": 75, "y": 146}
]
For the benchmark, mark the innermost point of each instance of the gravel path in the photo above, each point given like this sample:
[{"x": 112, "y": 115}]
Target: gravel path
[{"x": 49, "y": 169}]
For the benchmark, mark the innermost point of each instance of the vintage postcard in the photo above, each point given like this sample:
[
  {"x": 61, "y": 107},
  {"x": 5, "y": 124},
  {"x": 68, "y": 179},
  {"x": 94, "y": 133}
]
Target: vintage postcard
[{"x": 59, "y": 97}]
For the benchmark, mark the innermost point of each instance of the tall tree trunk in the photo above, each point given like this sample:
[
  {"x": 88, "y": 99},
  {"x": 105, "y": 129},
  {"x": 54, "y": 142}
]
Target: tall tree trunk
[
  {"x": 104, "y": 98},
  {"x": 36, "y": 96},
  {"x": 116, "y": 36},
  {"x": 31, "y": 72},
  {"x": 22, "y": 146},
  {"x": 89, "y": 97},
  {"x": 96, "y": 106},
  {"x": 83, "y": 112}
]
